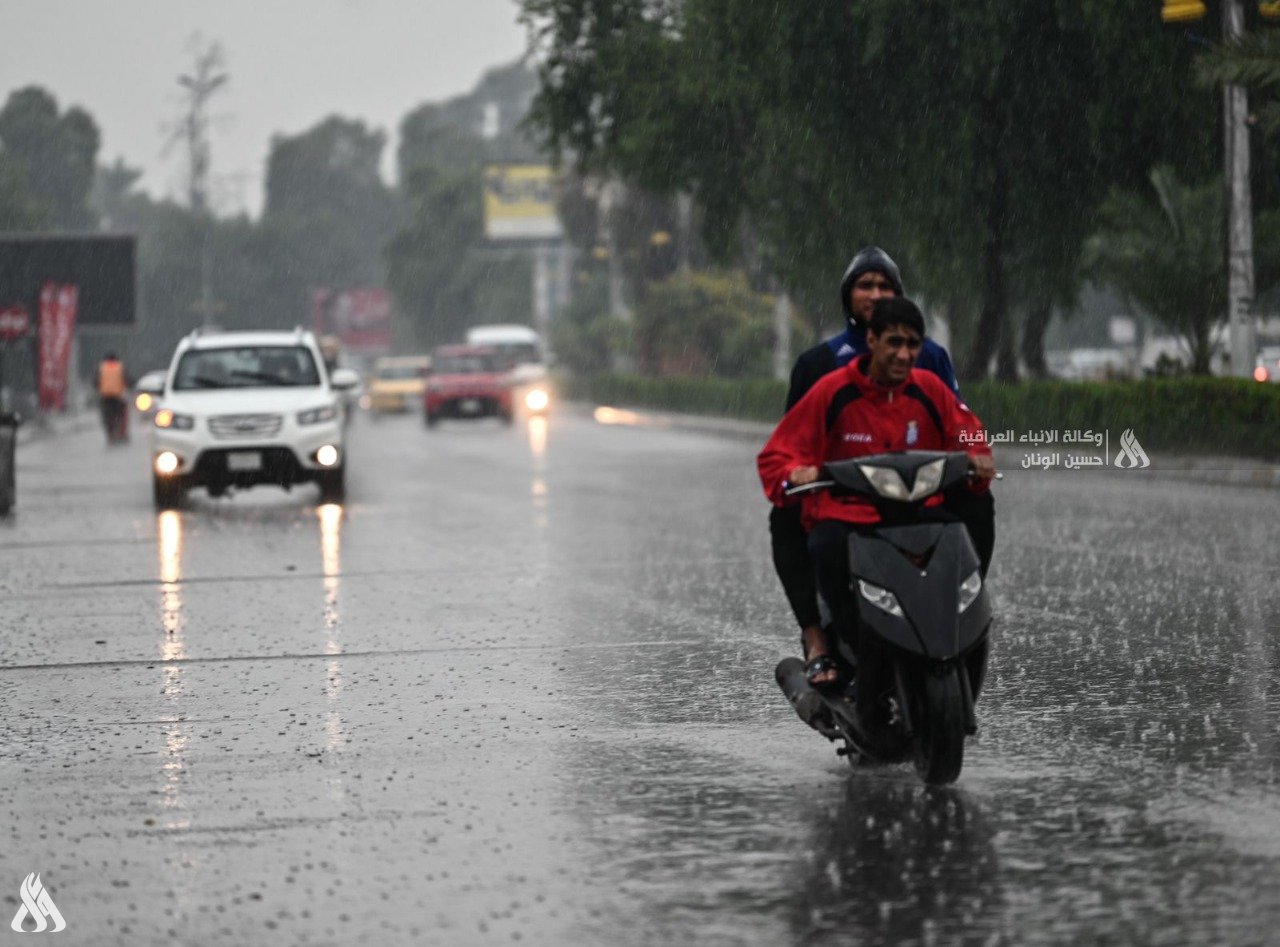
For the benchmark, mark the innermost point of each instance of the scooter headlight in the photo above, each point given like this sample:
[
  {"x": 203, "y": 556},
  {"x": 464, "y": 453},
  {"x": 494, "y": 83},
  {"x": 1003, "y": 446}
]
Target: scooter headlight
[
  {"x": 969, "y": 590},
  {"x": 885, "y": 481},
  {"x": 888, "y": 482},
  {"x": 882, "y": 599}
]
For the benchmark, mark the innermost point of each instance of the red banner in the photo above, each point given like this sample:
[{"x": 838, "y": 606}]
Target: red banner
[
  {"x": 57, "y": 326},
  {"x": 359, "y": 317}
]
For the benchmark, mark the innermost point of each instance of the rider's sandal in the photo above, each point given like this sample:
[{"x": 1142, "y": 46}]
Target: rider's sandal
[{"x": 821, "y": 665}]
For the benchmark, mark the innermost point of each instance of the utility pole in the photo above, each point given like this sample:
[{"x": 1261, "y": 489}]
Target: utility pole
[
  {"x": 1240, "y": 285},
  {"x": 193, "y": 130}
]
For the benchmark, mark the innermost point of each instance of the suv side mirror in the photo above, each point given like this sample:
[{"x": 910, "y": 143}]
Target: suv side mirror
[{"x": 343, "y": 379}]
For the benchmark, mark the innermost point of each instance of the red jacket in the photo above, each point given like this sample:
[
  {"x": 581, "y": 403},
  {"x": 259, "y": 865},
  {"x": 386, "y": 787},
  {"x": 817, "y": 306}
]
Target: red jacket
[{"x": 846, "y": 414}]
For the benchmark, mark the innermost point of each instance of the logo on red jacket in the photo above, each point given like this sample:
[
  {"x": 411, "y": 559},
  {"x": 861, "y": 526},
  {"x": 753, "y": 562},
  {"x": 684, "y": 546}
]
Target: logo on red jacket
[{"x": 913, "y": 433}]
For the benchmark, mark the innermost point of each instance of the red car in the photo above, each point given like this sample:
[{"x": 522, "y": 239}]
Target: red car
[{"x": 467, "y": 381}]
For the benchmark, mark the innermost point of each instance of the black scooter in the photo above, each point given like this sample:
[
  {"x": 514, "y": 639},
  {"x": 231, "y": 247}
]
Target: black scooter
[{"x": 923, "y": 621}]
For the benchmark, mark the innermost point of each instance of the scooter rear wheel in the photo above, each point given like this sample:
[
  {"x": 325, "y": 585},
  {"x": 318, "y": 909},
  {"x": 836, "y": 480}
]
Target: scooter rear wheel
[{"x": 939, "y": 726}]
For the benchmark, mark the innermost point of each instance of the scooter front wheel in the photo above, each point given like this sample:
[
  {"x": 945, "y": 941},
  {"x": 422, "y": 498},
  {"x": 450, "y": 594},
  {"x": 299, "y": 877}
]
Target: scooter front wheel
[{"x": 940, "y": 728}]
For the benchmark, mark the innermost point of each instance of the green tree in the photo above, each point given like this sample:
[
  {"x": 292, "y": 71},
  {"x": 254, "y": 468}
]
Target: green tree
[
  {"x": 19, "y": 208},
  {"x": 975, "y": 141},
  {"x": 55, "y": 154},
  {"x": 1162, "y": 249},
  {"x": 327, "y": 206},
  {"x": 469, "y": 131},
  {"x": 433, "y": 269},
  {"x": 702, "y": 323}
]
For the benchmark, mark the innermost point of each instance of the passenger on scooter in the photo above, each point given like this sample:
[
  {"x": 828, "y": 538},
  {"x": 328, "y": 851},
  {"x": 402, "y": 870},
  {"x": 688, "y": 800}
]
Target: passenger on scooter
[
  {"x": 879, "y": 402},
  {"x": 872, "y": 274}
]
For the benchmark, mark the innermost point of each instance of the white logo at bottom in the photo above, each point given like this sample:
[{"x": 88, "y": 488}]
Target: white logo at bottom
[{"x": 37, "y": 904}]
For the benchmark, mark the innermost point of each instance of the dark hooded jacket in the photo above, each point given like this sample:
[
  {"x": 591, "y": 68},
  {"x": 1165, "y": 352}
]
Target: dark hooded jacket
[{"x": 840, "y": 350}]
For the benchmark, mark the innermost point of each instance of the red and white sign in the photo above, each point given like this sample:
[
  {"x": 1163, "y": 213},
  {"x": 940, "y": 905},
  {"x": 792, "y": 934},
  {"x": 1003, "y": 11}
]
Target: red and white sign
[
  {"x": 359, "y": 317},
  {"x": 57, "y": 327},
  {"x": 14, "y": 321}
]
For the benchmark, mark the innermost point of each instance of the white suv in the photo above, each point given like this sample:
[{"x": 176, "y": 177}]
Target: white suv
[{"x": 243, "y": 408}]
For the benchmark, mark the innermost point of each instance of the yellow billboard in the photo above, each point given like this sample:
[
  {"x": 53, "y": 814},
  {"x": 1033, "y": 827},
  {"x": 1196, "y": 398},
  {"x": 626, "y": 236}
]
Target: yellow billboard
[{"x": 519, "y": 202}]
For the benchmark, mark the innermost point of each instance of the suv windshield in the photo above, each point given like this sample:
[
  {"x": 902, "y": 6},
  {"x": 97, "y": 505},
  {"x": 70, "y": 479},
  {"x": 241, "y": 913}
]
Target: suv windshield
[
  {"x": 464, "y": 364},
  {"x": 247, "y": 366}
]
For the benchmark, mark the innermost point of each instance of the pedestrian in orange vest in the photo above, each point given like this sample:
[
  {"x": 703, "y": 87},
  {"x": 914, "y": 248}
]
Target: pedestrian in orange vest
[{"x": 112, "y": 385}]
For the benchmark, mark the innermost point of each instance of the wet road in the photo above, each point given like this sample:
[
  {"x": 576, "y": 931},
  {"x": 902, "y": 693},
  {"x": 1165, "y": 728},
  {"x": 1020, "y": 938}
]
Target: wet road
[{"x": 519, "y": 689}]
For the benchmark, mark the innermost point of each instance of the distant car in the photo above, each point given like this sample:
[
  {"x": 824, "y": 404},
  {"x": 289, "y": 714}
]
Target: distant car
[
  {"x": 147, "y": 391},
  {"x": 519, "y": 347},
  {"x": 1267, "y": 366},
  {"x": 398, "y": 383},
  {"x": 247, "y": 408},
  {"x": 467, "y": 381}
]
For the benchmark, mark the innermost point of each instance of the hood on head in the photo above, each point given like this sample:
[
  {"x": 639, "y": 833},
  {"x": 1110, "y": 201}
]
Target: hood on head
[{"x": 865, "y": 260}]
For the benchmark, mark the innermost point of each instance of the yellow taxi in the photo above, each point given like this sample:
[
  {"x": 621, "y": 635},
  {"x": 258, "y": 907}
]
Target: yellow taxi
[{"x": 397, "y": 384}]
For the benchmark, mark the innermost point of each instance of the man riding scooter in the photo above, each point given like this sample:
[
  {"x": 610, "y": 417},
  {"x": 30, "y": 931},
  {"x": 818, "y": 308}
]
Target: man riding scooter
[{"x": 877, "y": 403}]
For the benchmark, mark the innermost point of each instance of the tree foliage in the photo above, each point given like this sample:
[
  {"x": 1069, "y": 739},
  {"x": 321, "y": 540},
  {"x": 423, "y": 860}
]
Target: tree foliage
[
  {"x": 704, "y": 324},
  {"x": 975, "y": 141},
  {"x": 1163, "y": 250},
  {"x": 46, "y": 161}
]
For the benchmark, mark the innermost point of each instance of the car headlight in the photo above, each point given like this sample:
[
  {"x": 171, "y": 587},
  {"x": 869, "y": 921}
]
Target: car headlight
[
  {"x": 316, "y": 415},
  {"x": 882, "y": 599},
  {"x": 536, "y": 400},
  {"x": 969, "y": 589},
  {"x": 167, "y": 418},
  {"x": 144, "y": 401}
]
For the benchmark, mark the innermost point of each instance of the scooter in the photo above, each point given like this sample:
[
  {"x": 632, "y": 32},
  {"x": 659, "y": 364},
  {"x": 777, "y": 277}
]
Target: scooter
[{"x": 923, "y": 621}]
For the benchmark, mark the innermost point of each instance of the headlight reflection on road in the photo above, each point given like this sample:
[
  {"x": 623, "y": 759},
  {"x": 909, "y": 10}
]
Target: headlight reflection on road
[
  {"x": 173, "y": 652},
  {"x": 169, "y": 534},
  {"x": 330, "y": 516},
  {"x": 538, "y": 448},
  {"x": 538, "y": 437}
]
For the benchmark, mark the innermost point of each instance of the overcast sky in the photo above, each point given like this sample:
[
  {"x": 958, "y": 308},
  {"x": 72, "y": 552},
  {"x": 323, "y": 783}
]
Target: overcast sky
[{"x": 292, "y": 63}]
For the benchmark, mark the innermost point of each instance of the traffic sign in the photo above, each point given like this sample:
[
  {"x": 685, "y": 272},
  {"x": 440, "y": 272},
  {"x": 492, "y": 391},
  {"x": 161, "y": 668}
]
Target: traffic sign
[{"x": 14, "y": 322}]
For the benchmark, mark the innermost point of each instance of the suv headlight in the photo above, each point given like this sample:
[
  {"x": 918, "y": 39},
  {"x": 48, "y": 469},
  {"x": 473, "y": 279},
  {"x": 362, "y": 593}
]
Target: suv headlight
[
  {"x": 316, "y": 415},
  {"x": 969, "y": 589},
  {"x": 882, "y": 599},
  {"x": 171, "y": 419}
]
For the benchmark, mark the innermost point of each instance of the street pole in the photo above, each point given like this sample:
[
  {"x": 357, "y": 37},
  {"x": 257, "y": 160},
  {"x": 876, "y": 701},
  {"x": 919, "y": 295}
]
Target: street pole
[{"x": 1239, "y": 207}]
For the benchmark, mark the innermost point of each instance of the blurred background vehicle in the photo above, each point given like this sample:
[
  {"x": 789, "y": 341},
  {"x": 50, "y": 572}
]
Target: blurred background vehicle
[
  {"x": 1267, "y": 367},
  {"x": 397, "y": 384},
  {"x": 467, "y": 381},
  {"x": 521, "y": 348},
  {"x": 147, "y": 391}
]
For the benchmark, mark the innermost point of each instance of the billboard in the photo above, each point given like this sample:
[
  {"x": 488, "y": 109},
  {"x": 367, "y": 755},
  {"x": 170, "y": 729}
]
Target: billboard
[
  {"x": 359, "y": 317},
  {"x": 519, "y": 203},
  {"x": 102, "y": 267}
]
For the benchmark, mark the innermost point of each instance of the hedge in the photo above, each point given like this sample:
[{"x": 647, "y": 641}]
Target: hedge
[{"x": 1189, "y": 415}]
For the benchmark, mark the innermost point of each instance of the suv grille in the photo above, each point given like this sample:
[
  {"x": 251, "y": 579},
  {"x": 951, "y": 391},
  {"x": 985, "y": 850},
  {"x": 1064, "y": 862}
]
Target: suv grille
[{"x": 245, "y": 425}]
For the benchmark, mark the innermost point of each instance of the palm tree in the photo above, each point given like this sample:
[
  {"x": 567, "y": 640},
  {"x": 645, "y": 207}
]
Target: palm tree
[{"x": 1162, "y": 249}]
